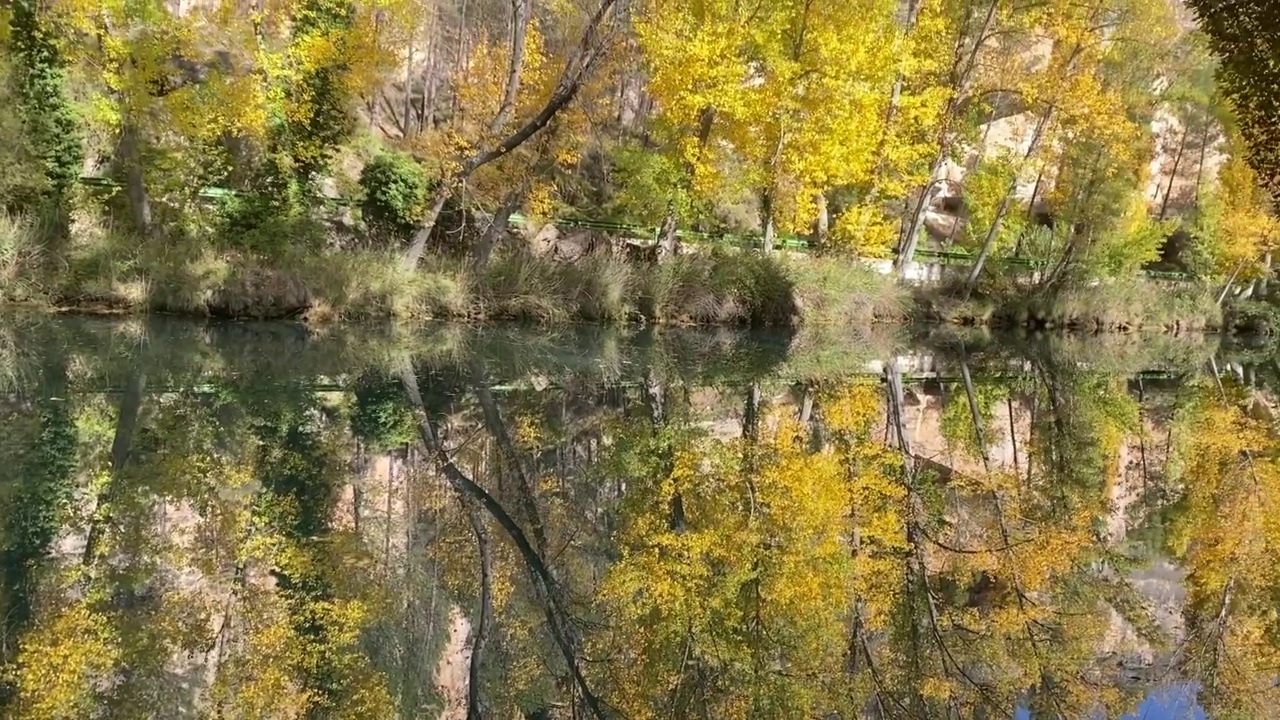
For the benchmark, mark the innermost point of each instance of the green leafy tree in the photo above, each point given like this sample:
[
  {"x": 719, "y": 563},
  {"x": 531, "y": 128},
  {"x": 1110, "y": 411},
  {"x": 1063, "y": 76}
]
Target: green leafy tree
[
  {"x": 49, "y": 122},
  {"x": 318, "y": 100}
]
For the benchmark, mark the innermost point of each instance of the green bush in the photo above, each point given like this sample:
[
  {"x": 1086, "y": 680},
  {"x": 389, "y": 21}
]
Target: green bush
[
  {"x": 396, "y": 192},
  {"x": 380, "y": 417},
  {"x": 271, "y": 216},
  {"x": 22, "y": 180},
  {"x": 718, "y": 288}
]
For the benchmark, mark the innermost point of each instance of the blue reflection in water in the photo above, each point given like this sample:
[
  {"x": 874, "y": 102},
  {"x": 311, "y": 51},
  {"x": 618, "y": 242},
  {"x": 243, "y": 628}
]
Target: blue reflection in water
[{"x": 1173, "y": 702}]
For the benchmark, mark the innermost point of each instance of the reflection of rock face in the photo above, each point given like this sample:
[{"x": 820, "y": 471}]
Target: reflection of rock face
[
  {"x": 1005, "y": 450},
  {"x": 452, "y": 672}
]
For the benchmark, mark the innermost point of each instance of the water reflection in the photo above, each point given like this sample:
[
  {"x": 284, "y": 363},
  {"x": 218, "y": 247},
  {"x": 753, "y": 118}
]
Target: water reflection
[{"x": 243, "y": 521}]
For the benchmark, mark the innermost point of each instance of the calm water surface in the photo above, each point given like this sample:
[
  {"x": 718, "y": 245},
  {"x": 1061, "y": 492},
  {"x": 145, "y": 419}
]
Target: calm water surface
[{"x": 249, "y": 521}]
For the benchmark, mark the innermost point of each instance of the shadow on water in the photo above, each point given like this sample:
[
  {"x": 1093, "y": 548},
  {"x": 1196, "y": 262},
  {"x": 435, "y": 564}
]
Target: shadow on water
[{"x": 250, "y": 520}]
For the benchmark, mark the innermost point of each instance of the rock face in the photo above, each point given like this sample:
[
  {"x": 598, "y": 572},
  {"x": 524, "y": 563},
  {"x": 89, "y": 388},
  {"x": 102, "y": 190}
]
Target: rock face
[
  {"x": 1182, "y": 163},
  {"x": 574, "y": 245},
  {"x": 543, "y": 241}
]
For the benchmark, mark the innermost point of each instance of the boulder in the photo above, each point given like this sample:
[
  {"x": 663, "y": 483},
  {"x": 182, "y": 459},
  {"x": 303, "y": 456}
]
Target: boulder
[
  {"x": 578, "y": 244},
  {"x": 544, "y": 240}
]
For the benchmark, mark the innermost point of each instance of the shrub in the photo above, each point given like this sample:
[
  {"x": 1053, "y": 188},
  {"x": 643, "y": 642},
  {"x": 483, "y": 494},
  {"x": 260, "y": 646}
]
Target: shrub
[
  {"x": 271, "y": 216},
  {"x": 21, "y": 249},
  {"x": 718, "y": 288},
  {"x": 373, "y": 284},
  {"x": 380, "y": 417},
  {"x": 520, "y": 286},
  {"x": 396, "y": 192},
  {"x": 601, "y": 289},
  {"x": 843, "y": 291}
]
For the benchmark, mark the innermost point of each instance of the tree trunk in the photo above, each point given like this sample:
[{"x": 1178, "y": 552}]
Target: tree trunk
[
  {"x": 768, "y": 230},
  {"x": 480, "y": 637},
  {"x": 909, "y": 242},
  {"x": 406, "y": 121},
  {"x": 972, "y": 398},
  {"x": 987, "y": 244},
  {"x": 1204, "y": 148},
  {"x": 1173, "y": 175},
  {"x": 414, "y": 254},
  {"x": 989, "y": 241},
  {"x": 121, "y": 447},
  {"x": 668, "y": 242},
  {"x": 135, "y": 180},
  {"x": 706, "y": 121},
  {"x": 497, "y": 428},
  {"x": 462, "y": 51},
  {"x": 751, "y": 414},
  {"x": 822, "y": 225},
  {"x": 1230, "y": 281},
  {"x": 1031, "y": 207},
  {"x": 427, "y": 105},
  {"x": 499, "y": 225},
  {"x": 521, "y": 12}
]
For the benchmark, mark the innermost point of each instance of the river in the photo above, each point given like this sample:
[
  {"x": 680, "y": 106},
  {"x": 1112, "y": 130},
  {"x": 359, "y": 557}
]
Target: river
[{"x": 257, "y": 521}]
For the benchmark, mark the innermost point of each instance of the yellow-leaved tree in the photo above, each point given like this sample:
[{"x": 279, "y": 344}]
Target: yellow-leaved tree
[
  {"x": 739, "y": 608},
  {"x": 1238, "y": 226},
  {"x": 1225, "y": 529},
  {"x": 781, "y": 100}
]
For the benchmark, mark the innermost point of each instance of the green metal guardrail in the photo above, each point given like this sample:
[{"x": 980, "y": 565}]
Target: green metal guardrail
[{"x": 652, "y": 234}]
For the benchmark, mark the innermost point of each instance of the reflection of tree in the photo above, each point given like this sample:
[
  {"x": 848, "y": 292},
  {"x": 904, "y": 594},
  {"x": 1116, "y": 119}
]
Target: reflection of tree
[
  {"x": 549, "y": 592},
  {"x": 297, "y": 649},
  {"x": 614, "y": 547},
  {"x": 39, "y": 452},
  {"x": 1226, "y": 531},
  {"x": 1005, "y": 575},
  {"x": 731, "y": 605}
]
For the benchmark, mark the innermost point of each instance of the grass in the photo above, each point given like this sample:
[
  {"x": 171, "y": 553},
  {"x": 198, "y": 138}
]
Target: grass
[
  {"x": 94, "y": 268},
  {"x": 1114, "y": 305}
]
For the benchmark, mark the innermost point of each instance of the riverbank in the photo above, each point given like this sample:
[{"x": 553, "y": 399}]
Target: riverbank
[
  {"x": 104, "y": 273},
  {"x": 1130, "y": 305},
  {"x": 122, "y": 275}
]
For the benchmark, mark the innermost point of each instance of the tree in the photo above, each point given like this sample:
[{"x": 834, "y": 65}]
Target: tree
[
  {"x": 1221, "y": 526},
  {"x": 1246, "y": 44},
  {"x": 760, "y": 81},
  {"x": 51, "y": 126},
  {"x": 1083, "y": 114},
  {"x": 593, "y": 43}
]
